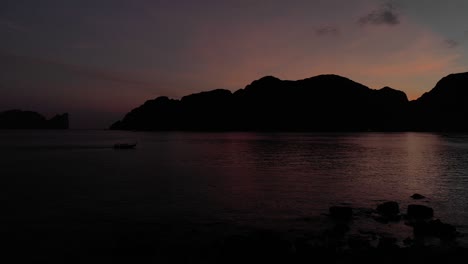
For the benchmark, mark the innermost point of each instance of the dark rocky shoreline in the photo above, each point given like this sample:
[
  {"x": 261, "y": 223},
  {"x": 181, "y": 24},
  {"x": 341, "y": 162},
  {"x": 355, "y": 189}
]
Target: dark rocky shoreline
[
  {"x": 431, "y": 239},
  {"x": 338, "y": 237}
]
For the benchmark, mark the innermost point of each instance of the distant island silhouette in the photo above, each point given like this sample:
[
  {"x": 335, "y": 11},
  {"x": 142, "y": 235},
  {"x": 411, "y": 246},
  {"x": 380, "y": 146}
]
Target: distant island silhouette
[
  {"x": 18, "y": 119},
  {"x": 321, "y": 103}
]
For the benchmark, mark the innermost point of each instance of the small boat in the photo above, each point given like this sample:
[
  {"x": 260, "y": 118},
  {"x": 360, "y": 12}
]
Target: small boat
[{"x": 125, "y": 146}]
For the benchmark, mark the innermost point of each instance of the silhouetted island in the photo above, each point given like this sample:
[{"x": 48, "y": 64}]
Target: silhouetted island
[
  {"x": 444, "y": 108},
  {"x": 321, "y": 103},
  {"x": 18, "y": 119}
]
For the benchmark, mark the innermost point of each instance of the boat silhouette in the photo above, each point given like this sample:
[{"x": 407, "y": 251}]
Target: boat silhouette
[{"x": 125, "y": 145}]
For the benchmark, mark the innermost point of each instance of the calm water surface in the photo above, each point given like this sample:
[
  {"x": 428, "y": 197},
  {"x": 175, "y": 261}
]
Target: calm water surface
[{"x": 58, "y": 186}]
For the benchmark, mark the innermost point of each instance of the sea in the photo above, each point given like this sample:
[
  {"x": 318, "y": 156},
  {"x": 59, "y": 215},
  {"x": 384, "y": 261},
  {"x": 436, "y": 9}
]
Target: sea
[{"x": 69, "y": 193}]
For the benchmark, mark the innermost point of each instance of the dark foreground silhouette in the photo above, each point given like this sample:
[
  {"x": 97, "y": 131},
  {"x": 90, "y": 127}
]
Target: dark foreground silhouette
[
  {"x": 334, "y": 241},
  {"x": 321, "y": 103},
  {"x": 17, "y": 119}
]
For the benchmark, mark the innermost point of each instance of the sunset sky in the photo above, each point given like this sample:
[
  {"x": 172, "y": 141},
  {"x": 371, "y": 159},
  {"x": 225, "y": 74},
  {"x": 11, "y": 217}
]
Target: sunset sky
[{"x": 98, "y": 59}]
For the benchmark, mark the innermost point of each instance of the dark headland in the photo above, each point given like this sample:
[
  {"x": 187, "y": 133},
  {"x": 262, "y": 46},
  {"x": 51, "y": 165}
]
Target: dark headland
[
  {"x": 321, "y": 103},
  {"x": 18, "y": 119}
]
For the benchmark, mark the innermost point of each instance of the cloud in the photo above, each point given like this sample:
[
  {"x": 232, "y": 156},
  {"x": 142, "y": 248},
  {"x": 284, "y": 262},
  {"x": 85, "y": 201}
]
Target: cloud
[
  {"x": 327, "y": 31},
  {"x": 451, "y": 43},
  {"x": 386, "y": 15},
  {"x": 40, "y": 64}
]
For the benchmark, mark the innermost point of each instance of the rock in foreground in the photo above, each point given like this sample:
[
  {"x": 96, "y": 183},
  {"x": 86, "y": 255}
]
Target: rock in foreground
[
  {"x": 417, "y": 196},
  {"x": 417, "y": 211},
  {"x": 435, "y": 228},
  {"x": 389, "y": 210},
  {"x": 341, "y": 213}
]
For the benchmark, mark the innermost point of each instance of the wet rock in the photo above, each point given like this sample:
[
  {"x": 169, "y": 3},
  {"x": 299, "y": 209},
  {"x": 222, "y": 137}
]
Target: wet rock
[
  {"x": 366, "y": 212},
  {"x": 371, "y": 234},
  {"x": 408, "y": 241},
  {"x": 381, "y": 219},
  {"x": 420, "y": 211},
  {"x": 389, "y": 210},
  {"x": 341, "y": 212},
  {"x": 421, "y": 228},
  {"x": 357, "y": 242},
  {"x": 340, "y": 229},
  {"x": 417, "y": 196},
  {"x": 435, "y": 228},
  {"x": 387, "y": 243}
]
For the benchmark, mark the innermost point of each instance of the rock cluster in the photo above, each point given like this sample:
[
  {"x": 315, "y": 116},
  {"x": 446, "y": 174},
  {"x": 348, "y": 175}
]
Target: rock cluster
[
  {"x": 339, "y": 242},
  {"x": 418, "y": 217}
]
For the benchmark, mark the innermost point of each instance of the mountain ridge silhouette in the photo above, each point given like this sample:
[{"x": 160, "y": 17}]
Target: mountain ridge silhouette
[
  {"x": 320, "y": 103},
  {"x": 19, "y": 119}
]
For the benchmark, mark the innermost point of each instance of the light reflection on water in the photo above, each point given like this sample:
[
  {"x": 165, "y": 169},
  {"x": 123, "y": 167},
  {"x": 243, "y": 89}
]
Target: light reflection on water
[{"x": 241, "y": 178}]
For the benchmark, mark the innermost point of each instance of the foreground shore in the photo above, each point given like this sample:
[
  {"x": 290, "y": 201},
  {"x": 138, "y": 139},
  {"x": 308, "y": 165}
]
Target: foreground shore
[
  {"x": 385, "y": 234},
  {"x": 345, "y": 239}
]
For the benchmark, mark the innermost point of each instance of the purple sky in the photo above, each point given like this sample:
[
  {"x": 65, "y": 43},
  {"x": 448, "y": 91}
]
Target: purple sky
[{"x": 99, "y": 59}]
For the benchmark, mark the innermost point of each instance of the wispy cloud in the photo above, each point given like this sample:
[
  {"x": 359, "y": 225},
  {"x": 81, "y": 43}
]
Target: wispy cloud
[
  {"x": 451, "y": 43},
  {"x": 385, "y": 15},
  {"x": 96, "y": 74},
  {"x": 327, "y": 31}
]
